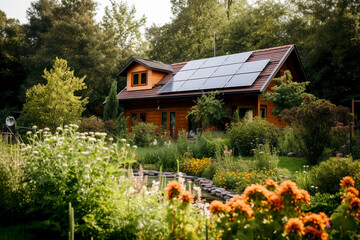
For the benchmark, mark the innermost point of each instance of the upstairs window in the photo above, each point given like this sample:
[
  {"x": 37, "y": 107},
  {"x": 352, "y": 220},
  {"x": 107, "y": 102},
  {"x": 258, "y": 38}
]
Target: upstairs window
[{"x": 139, "y": 79}]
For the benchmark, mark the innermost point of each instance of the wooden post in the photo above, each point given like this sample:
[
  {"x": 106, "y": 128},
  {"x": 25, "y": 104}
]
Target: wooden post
[{"x": 353, "y": 108}]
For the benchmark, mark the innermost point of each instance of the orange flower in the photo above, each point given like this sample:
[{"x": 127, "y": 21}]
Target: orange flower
[
  {"x": 316, "y": 220},
  {"x": 294, "y": 225},
  {"x": 355, "y": 204},
  {"x": 352, "y": 192},
  {"x": 347, "y": 182},
  {"x": 271, "y": 184},
  {"x": 173, "y": 189},
  {"x": 302, "y": 196},
  {"x": 217, "y": 207},
  {"x": 241, "y": 207},
  {"x": 256, "y": 192},
  {"x": 275, "y": 201},
  {"x": 315, "y": 234},
  {"x": 288, "y": 188},
  {"x": 238, "y": 197},
  {"x": 187, "y": 197}
]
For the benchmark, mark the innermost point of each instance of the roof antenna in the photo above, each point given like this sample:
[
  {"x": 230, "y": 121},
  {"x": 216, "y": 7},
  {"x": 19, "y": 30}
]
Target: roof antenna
[{"x": 214, "y": 43}]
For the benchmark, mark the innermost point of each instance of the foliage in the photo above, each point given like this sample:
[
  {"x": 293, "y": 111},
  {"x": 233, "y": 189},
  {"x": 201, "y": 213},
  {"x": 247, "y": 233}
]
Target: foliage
[
  {"x": 286, "y": 94},
  {"x": 194, "y": 167},
  {"x": 324, "y": 202},
  {"x": 121, "y": 19},
  {"x": 273, "y": 211},
  {"x": 12, "y": 71},
  {"x": 328, "y": 173},
  {"x": 191, "y": 30},
  {"x": 12, "y": 193},
  {"x": 165, "y": 156},
  {"x": 181, "y": 224},
  {"x": 67, "y": 29},
  {"x": 111, "y": 108},
  {"x": 209, "y": 109},
  {"x": 93, "y": 124},
  {"x": 71, "y": 167},
  {"x": 246, "y": 134},
  {"x": 144, "y": 134},
  {"x": 288, "y": 142},
  {"x": 55, "y": 103},
  {"x": 345, "y": 220},
  {"x": 266, "y": 158},
  {"x": 314, "y": 120}
]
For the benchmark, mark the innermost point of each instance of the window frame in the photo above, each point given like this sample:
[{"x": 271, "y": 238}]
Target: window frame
[{"x": 139, "y": 74}]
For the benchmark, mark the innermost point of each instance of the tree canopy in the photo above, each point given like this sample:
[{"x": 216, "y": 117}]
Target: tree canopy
[{"x": 55, "y": 103}]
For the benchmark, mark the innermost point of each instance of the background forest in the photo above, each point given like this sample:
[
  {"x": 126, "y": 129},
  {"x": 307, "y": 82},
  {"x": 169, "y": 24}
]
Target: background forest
[{"x": 325, "y": 32}]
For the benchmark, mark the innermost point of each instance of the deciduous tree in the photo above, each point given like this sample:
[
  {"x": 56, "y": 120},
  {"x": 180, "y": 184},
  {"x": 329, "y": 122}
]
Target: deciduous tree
[{"x": 55, "y": 103}]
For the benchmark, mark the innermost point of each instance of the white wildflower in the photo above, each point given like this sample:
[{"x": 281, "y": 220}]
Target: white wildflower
[
  {"x": 123, "y": 140},
  {"x": 34, "y": 127},
  {"x": 46, "y": 129},
  {"x": 58, "y": 128}
]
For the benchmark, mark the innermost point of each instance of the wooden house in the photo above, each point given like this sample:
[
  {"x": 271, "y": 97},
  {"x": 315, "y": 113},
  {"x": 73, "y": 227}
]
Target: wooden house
[{"x": 163, "y": 94}]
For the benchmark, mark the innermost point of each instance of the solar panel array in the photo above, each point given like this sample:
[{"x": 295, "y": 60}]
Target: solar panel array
[{"x": 216, "y": 73}]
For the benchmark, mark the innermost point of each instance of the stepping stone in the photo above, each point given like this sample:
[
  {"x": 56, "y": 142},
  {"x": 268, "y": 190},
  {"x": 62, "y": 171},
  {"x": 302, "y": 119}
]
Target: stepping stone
[{"x": 213, "y": 192}]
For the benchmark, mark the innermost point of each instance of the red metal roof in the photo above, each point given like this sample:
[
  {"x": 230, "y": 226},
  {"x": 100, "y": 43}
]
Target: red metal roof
[{"x": 277, "y": 56}]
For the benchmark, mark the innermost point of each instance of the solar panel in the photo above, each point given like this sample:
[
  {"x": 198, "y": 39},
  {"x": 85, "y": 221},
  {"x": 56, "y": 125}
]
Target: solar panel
[
  {"x": 216, "y": 73},
  {"x": 192, "y": 85},
  {"x": 242, "y": 80},
  {"x": 237, "y": 58},
  {"x": 227, "y": 70},
  {"x": 215, "y": 61},
  {"x": 215, "y": 82},
  {"x": 253, "y": 66},
  {"x": 171, "y": 86},
  {"x": 183, "y": 75},
  {"x": 195, "y": 64},
  {"x": 203, "y": 73}
]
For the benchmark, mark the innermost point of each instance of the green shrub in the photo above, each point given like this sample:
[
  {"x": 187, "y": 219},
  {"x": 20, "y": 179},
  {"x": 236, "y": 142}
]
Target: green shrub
[
  {"x": 327, "y": 175},
  {"x": 324, "y": 202},
  {"x": 314, "y": 121},
  {"x": 73, "y": 167},
  {"x": 144, "y": 134},
  {"x": 246, "y": 134},
  {"x": 12, "y": 192},
  {"x": 288, "y": 142},
  {"x": 266, "y": 158},
  {"x": 165, "y": 156}
]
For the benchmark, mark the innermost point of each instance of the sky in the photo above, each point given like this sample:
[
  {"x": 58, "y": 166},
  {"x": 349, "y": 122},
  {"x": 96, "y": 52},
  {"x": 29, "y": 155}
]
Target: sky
[{"x": 156, "y": 11}]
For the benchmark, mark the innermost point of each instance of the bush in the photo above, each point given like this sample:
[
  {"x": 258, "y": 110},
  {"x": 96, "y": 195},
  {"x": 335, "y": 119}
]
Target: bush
[
  {"x": 12, "y": 192},
  {"x": 144, "y": 134},
  {"x": 165, "y": 156},
  {"x": 266, "y": 158},
  {"x": 288, "y": 142},
  {"x": 91, "y": 124},
  {"x": 69, "y": 167},
  {"x": 327, "y": 175},
  {"x": 194, "y": 167},
  {"x": 314, "y": 121},
  {"x": 246, "y": 134},
  {"x": 324, "y": 202}
]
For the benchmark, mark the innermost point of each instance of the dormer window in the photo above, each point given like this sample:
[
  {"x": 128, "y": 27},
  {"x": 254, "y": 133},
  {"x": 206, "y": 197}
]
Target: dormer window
[{"x": 139, "y": 79}]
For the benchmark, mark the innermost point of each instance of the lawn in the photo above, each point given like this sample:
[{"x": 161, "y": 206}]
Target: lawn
[{"x": 293, "y": 164}]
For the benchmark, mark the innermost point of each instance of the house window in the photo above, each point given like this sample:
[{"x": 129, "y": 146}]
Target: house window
[
  {"x": 263, "y": 111},
  {"x": 164, "y": 120},
  {"x": 139, "y": 78},
  {"x": 143, "y": 117}
]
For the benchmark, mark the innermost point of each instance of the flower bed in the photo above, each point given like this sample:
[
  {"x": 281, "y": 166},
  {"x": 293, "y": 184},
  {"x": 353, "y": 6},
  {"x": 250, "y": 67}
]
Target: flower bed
[{"x": 193, "y": 166}]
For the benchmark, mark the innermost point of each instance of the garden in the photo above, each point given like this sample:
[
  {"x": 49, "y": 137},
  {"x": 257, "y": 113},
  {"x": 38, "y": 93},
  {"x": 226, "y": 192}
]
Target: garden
[{"x": 90, "y": 180}]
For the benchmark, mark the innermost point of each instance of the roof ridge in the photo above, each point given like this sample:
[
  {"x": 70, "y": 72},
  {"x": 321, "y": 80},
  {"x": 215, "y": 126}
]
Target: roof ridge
[
  {"x": 273, "y": 48},
  {"x": 174, "y": 64}
]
